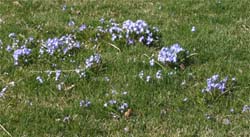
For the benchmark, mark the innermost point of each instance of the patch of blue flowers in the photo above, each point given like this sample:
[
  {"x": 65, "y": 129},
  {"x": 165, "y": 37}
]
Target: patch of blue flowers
[
  {"x": 215, "y": 83},
  {"x": 61, "y": 45},
  {"x": 131, "y": 32},
  {"x": 169, "y": 54}
]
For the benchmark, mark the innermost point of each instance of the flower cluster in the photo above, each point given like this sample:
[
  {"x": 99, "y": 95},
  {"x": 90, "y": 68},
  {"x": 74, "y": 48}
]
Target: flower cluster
[
  {"x": 169, "y": 54},
  {"x": 246, "y": 108},
  {"x": 85, "y": 103},
  {"x": 23, "y": 51},
  {"x": 62, "y": 44},
  {"x": 215, "y": 83},
  {"x": 148, "y": 78},
  {"x": 117, "y": 104},
  {"x": 138, "y": 31},
  {"x": 93, "y": 59}
]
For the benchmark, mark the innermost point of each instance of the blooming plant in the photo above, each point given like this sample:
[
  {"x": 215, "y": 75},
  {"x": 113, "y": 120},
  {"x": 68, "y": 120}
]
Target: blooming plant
[
  {"x": 128, "y": 32},
  {"x": 21, "y": 48},
  {"x": 215, "y": 84},
  {"x": 174, "y": 56}
]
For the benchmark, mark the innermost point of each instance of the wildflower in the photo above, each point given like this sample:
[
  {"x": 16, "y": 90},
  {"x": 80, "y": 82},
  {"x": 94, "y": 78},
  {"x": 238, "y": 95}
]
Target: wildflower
[
  {"x": 85, "y": 103},
  {"x": 93, "y": 59},
  {"x": 214, "y": 83},
  {"x": 83, "y": 74},
  {"x": 12, "y": 35},
  {"x": 106, "y": 79},
  {"x": 158, "y": 74},
  {"x": 141, "y": 74},
  {"x": 148, "y": 78},
  {"x": 66, "y": 119},
  {"x": 113, "y": 92},
  {"x": 130, "y": 41},
  {"x": 39, "y": 79},
  {"x": 126, "y": 129},
  {"x": 83, "y": 27},
  {"x": 64, "y": 44},
  {"x": 64, "y": 7},
  {"x": 105, "y": 105},
  {"x": 102, "y": 20},
  {"x": 9, "y": 48},
  {"x": 246, "y": 108},
  {"x": 193, "y": 29},
  {"x": 122, "y": 107},
  {"x": 59, "y": 86},
  {"x": 231, "y": 110},
  {"x": 112, "y": 102},
  {"x": 124, "y": 93},
  {"x": 152, "y": 62},
  {"x": 169, "y": 55},
  {"x": 3, "y": 91},
  {"x": 58, "y": 73},
  {"x": 71, "y": 23},
  {"x": 20, "y": 52}
]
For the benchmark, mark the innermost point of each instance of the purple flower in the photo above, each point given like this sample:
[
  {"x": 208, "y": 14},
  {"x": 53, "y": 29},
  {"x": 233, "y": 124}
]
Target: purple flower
[
  {"x": 214, "y": 83},
  {"x": 83, "y": 27},
  {"x": 158, "y": 74},
  {"x": 71, "y": 23},
  {"x": 85, "y": 103},
  {"x": 152, "y": 62},
  {"x": 112, "y": 102},
  {"x": 93, "y": 59},
  {"x": 122, "y": 107},
  {"x": 62, "y": 44},
  {"x": 102, "y": 20},
  {"x": 246, "y": 108},
  {"x": 9, "y": 48},
  {"x": 58, "y": 73},
  {"x": 20, "y": 52},
  {"x": 169, "y": 54}
]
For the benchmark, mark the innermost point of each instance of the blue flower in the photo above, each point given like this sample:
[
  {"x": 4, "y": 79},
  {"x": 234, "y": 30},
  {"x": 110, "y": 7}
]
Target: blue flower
[
  {"x": 169, "y": 55},
  {"x": 93, "y": 59},
  {"x": 246, "y": 108},
  {"x": 82, "y": 27},
  {"x": 58, "y": 73},
  {"x": 20, "y": 52},
  {"x": 102, "y": 20},
  {"x": 62, "y": 44},
  {"x": 85, "y": 103},
  {"x": 214, "y": 83},
  {"x": 158, "y": 74},
  {"x": 71, "y": 23},
  {"x": 152, "y": 62}
]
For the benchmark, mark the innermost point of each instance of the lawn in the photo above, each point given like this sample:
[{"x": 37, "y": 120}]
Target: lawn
[{"x": 68, "y": 68}]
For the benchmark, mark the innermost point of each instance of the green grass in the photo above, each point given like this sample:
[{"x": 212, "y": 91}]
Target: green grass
[{"x": 221, "y": 41}]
